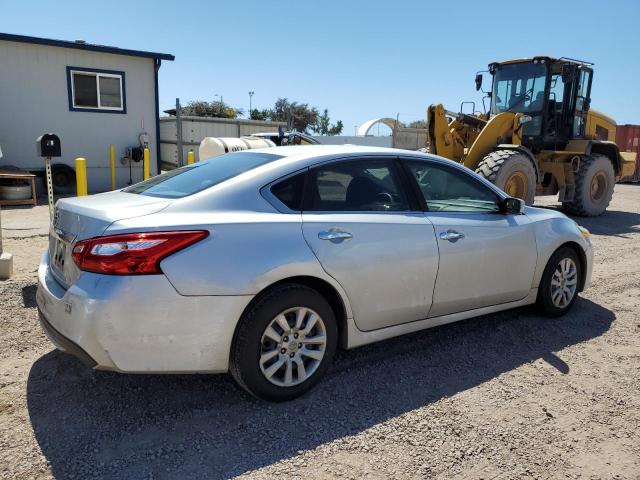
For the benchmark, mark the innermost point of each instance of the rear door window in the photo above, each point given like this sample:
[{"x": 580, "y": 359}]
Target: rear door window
[
  {"x": 191, "y": 179},
  {"x": 356, "y": 185}
]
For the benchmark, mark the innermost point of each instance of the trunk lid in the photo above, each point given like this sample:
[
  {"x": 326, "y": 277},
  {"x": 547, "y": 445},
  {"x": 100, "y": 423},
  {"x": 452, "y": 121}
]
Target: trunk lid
[{"x": 78, "y": 218}]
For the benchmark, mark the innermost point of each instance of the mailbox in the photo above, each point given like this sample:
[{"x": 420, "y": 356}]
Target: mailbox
[{"x": 48, "y": 145}]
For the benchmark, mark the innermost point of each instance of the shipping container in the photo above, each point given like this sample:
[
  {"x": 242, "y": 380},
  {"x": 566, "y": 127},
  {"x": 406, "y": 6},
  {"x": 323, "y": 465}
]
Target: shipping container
[{"x": 628, "y": 140}]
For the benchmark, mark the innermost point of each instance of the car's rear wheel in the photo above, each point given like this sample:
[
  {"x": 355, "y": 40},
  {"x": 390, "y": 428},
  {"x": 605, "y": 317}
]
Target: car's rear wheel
[
  {"x": 284, "y": 343},
  {"x": 558, "y": 289}
]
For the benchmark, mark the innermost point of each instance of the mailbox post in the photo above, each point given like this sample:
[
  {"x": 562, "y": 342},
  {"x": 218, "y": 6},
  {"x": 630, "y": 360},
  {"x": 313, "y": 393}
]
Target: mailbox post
[{"x": 49, "y": 146}]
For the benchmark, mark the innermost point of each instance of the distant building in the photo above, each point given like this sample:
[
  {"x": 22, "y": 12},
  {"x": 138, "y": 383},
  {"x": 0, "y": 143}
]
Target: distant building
[{"x": 89, "y": 95}]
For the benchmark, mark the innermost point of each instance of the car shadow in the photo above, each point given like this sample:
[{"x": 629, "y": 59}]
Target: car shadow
[
  {"x": 29, "y": 296},
  {"x": 90, "y": 423}
]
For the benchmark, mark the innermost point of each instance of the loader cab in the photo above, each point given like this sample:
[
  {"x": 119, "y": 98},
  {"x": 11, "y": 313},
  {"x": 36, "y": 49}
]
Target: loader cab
[{"x": 554, "y": 93}]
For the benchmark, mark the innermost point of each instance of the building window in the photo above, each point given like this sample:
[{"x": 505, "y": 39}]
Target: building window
[{"x": 96, "y": 90}]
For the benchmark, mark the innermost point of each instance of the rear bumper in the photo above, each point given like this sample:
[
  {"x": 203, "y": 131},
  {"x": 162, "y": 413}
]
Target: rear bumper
[
  {"x": 137, "y": 324},
  {"x": 63, "y": 343}
]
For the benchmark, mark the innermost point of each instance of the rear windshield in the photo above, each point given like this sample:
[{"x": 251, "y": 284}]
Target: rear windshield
[{"x": 194, "y": 178}]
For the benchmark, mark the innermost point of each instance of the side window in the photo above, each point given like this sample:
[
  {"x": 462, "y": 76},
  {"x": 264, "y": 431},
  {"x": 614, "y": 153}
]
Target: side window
[
  {"x": 581, "y": 100},
  {"x": 363, "y": 185},
  {"x": 446, "y": 190},
  {"x": 289, "y": 191},
  {"x": 96, "y": 90}
]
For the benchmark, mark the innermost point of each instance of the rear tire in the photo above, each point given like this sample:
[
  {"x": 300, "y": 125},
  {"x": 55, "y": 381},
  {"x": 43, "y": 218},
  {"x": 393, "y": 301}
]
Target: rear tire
[
  {"x": 595, "y": 181},
  {"x": 512, "y": 172},
  {"x": 558, "y": 289},
  {"x": 286, "y": 367},
  {"x": 63, "y": 179}
]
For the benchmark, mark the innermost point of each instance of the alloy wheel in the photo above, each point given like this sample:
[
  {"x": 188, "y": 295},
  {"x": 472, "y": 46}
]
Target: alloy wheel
[
  {"x": 564, "y": 283},
  {"x": 292, "y": 346}
]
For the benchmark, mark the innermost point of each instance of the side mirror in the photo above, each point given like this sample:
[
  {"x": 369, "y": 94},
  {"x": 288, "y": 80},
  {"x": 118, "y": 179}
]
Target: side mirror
[
  {"x": 478, "y": 81},
  {"x": 512, "y": 205}
]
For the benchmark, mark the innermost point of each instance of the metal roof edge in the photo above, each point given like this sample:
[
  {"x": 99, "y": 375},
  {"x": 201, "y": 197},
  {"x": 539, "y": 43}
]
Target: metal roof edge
[{"x": 84, "y": 46}]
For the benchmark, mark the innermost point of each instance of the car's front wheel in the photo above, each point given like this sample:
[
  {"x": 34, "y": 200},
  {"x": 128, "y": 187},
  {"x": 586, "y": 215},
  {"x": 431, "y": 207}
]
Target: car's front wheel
[
  {"x": 284, "y": 343},
  {"x": 558, "y": 289}
]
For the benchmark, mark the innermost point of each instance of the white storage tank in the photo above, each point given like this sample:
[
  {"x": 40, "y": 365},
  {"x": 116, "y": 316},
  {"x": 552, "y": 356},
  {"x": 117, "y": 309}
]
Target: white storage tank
[{"x": 214, "y": 146}]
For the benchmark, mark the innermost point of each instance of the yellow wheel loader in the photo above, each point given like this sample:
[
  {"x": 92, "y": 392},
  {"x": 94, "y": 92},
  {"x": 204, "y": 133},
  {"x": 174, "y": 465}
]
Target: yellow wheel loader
[{"x": 539, "y": 136}]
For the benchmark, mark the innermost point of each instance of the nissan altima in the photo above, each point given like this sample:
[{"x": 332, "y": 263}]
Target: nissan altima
[{"x": 261, "y": 263}]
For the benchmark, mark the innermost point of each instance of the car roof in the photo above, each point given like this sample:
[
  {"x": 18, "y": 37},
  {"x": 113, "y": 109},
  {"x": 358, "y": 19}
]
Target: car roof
[
  {"x": 289, "y": 160},
  {"x": 303, "y": 152}
]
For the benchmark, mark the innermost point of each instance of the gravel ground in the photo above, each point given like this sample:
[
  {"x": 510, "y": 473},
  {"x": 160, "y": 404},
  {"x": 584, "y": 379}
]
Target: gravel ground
[{"x": 510, "y": 395}]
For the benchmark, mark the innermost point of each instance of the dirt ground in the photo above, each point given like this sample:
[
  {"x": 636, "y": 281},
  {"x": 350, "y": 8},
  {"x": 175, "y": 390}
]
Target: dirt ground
[{"x": 510, "y": 395}]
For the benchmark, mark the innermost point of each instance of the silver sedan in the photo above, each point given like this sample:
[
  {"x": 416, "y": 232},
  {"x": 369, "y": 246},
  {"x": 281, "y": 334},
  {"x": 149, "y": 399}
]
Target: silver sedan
[{"x": 261, "y": 263}]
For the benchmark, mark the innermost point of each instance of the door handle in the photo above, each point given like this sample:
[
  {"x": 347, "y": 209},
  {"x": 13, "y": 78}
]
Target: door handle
[
  {"x": 334, "y": 234},
  {"x": 451, "y": 236}
]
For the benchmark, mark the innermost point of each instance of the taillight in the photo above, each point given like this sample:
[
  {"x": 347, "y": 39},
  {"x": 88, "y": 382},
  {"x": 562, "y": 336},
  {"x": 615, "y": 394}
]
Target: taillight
[{"x": 132, "y": 253}]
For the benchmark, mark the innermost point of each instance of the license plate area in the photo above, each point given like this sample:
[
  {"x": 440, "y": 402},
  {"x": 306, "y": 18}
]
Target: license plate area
[{"x": 59, "y": 255}]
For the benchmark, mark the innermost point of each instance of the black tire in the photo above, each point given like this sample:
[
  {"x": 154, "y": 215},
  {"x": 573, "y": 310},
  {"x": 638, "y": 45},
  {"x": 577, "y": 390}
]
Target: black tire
[
  {"x": 498, "y": 166},
  {"x": 544, "y": 302},
  {"x": 63, "y": 178},
  {"x": 585, "y": 203},
  {"x": 246, "y": 348}
]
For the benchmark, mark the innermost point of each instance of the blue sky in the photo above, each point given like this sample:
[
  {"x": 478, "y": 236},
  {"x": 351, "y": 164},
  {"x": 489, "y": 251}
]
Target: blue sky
[{"x": 360, "y": 60}]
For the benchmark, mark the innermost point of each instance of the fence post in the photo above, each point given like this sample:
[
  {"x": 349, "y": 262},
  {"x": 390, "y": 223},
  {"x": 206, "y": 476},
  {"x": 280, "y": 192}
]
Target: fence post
[
  {"x": 179, "y": 133},
  {"x": 112, "y": 165},
  {"x": 146, "y": 171},
  {"x": 49, "y": 180},
  {"x": 81, "y": 177}
]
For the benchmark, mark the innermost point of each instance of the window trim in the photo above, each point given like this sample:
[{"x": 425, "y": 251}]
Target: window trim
[
  {"x": 405, "y": 161},
  {"x": 394, "y": 169},
  {"x": 97, "y": 73}
]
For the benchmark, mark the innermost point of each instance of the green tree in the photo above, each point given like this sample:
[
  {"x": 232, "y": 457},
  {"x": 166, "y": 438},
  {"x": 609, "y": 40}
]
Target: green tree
[
  {"x": 323, "y": 125},
  {"x": 211, "y": 109},
  {"x": 256, "y": 114},
  {"x": 297, "y": 115},
  {"x": 418, "y": 124}
]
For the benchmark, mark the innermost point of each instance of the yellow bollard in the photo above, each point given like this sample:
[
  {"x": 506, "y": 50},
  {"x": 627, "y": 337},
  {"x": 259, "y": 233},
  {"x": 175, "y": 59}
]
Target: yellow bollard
[
  {"x": 145, "y": 166},
  {"x": 81, "y": 177},
  {"x": 112, "y": 165},
  {"x": 190, "y": 157}
]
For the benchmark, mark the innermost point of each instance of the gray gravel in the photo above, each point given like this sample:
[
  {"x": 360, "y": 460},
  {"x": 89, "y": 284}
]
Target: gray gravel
[{"x": 510, "y": 395}]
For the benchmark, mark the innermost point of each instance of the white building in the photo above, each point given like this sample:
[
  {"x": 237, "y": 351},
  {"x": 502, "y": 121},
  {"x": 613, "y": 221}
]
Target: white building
[{"x": 91, "y": 96}]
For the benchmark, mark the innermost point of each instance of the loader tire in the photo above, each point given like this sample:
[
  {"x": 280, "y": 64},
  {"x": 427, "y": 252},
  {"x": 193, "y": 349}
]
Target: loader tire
[
  {"x": 511, "y": 171},
  {"x": 594, "y": 187}
]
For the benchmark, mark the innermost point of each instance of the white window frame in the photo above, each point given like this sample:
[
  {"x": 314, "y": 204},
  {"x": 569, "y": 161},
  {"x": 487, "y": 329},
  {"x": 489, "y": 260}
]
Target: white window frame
[{"x": 96, "y": 75}]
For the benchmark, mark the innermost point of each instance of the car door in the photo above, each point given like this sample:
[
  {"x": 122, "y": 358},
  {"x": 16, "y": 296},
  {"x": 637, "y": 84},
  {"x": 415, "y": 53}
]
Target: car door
[
  {"x": 486, "y": 257},
  {"x": 358, "y": 222}
]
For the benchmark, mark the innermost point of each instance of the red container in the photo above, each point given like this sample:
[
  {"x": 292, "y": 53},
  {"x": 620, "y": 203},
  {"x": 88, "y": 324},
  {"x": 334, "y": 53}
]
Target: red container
[{"x": 628, "y": 140}]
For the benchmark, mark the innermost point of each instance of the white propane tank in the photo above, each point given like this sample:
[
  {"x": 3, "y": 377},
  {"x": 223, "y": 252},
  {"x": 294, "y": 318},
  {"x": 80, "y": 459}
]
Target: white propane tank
[{"x": 214, "y": 146}]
